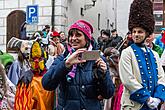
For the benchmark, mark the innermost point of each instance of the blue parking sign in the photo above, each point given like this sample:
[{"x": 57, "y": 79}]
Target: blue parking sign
[{"x": 32, "y": 14}]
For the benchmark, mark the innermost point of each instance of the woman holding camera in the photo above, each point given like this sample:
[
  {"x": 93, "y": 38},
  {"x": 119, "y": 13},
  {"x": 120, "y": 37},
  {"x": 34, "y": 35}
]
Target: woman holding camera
[{"x": 80, "y": 81}]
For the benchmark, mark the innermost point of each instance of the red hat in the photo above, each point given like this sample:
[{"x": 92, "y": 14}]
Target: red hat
[
  {"x": 83, "y": 26},
  {"x": 55, "y": 34}
]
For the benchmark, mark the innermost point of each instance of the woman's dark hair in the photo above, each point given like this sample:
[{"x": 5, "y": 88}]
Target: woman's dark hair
[
  {"x": 46, "y": 27},
  {"x": 106, "y": 32},
  {"x": 101, "y": 32},
  {"x": 34, "y": 37},
  {"x": 74, "y": 30},
  {"x": 113, "y": 30},
  {"x": 61, "y": 32},
  {"x": 128, "y": 32}
]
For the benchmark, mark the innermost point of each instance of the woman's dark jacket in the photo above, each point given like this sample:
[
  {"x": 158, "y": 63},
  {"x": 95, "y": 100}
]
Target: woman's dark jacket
[{"x": 81, "y": 93}]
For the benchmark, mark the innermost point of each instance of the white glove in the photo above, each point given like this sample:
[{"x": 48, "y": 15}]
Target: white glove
[
  {"x": 149, "y": 102},
  {"x": 153, "y": 102}
]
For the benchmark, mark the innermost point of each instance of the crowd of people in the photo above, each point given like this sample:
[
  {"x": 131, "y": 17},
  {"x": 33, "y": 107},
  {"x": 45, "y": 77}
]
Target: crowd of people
[{"x": 51, "y": 74}]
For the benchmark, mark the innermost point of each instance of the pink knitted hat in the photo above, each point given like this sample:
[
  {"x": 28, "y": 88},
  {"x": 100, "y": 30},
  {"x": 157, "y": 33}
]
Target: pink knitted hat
[{"x": 83, "y": 26}]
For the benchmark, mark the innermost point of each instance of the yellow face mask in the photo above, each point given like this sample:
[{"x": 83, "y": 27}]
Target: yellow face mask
[
  {"x": 37, "y": 64},
  {"x": 38, "y": 58}
]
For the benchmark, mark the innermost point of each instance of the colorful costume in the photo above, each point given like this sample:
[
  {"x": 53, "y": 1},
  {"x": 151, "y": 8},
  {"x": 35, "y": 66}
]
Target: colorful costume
[
  {"x": 30, "y": 94},
  {"x": 140, "y": 69},
  {"x": 143, "y": 80}
]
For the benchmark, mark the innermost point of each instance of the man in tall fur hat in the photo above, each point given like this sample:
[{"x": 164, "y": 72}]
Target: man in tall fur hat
[{"x": 140, "y": 70}]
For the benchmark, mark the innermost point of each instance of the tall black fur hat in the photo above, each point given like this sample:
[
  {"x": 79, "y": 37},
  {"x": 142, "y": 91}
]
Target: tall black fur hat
[{"x": 141, "y": 15}]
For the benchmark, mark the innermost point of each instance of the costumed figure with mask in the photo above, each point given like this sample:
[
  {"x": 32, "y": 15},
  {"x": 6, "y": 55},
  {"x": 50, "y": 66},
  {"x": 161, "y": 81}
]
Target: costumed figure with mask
[
  {"x": 21, "y": 63},
  {"x": 140, "y": 69},
  {"x": 30, "y": 94}
]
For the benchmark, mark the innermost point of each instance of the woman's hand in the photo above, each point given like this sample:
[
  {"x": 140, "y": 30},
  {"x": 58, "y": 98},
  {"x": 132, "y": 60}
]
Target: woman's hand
[
  {"x": 75, "y": 58},
  {"x": 101, "y": 64}
]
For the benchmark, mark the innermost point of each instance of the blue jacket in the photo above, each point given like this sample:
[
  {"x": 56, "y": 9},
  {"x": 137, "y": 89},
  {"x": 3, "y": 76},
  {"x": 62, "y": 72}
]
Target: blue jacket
[{"x": 82, "y": 92}]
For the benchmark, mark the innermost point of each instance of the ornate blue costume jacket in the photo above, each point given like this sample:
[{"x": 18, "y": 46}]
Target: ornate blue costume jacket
[{"x": 142, "y": 76}]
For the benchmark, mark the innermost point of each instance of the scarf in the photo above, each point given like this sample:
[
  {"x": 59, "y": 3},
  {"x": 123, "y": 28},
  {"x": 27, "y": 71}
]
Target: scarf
[{"x": 72, "y": 73}]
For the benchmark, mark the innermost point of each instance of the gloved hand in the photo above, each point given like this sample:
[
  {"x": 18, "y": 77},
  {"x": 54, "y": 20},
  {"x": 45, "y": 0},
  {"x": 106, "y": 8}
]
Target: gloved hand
[
  {"x": 149, "y": 102},
  {"x": 156, "y": 102},
  {"x": 153, "y": 102}
]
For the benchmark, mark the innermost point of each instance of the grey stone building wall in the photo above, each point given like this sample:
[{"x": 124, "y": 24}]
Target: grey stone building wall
[
  {"x": 103, "y": 7},
  {"x": 45, "y": 13},
  {"x": 66, "y": 12},
  {"x": 123, "y": 7}
]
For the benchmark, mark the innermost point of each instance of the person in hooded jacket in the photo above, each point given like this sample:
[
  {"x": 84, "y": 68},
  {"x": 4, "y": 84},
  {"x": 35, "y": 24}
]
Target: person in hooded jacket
[{"x": 80, "y": 81}]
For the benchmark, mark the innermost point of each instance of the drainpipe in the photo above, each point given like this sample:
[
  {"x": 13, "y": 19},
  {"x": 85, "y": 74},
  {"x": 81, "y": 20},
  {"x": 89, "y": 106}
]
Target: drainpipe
[
  {"x": 115, "y": 14},
  {"x": 52, "y": 17}
]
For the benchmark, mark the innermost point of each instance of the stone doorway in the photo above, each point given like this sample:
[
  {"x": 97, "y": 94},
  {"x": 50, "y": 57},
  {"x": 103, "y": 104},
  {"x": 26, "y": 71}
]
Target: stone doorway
[{"x": 14, "y": 22}]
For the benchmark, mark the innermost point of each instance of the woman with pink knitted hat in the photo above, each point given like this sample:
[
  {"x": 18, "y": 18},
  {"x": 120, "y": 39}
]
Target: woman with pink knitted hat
[{"x": 80, "y": 81}]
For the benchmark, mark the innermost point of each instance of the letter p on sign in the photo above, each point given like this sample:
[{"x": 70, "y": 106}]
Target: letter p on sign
[{"x": 32, "y": 14}]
